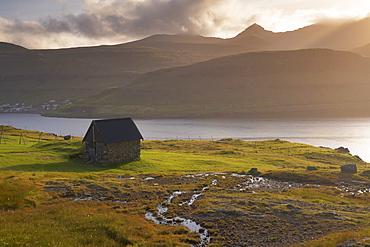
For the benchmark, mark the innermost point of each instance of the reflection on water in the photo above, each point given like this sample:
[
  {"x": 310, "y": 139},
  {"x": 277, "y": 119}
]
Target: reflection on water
[{"x": 353, "y": 133}]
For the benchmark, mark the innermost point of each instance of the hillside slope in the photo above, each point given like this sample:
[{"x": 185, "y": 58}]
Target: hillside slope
[
  {"x": 38, "y": 76},
  {"x": 313, "y": 82},
  {"x": 34, "y": 76},
  {"x": 211, "y": 47},
  {"x": 339, "y": 36},
  {"x": 5, "y": 47},
  {"x": 363, "y": 50}
]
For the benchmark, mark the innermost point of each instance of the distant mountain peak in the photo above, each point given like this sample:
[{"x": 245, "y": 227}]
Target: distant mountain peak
[
  {"x": 254, "y": 30},
  {"x": 255, "y": 26}
]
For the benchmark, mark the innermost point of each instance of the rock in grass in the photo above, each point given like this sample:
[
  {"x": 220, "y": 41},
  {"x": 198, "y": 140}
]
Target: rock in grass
[
  {"x": 312, "y": 168},
  {"x": 349, "y": 168},
  {"x": 342, "y": 150},
  {"x": 254, "y": 172}
]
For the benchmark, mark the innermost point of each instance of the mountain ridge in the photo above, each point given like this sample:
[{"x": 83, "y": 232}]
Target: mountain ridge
[
  {"x": 363, "y": 50},
  {"x": 254, "y": 30},
  {"x": 323, "y": 34},
  {"x": 36, "y": 76},
  {"x": 309, "y": 82},
  {"x": 340, "y": 36},
  {"x": 4, "y": 46}
]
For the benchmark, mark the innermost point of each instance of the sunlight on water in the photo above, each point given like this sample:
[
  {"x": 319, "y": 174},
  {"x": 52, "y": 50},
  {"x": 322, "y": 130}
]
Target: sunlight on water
[{"x": 352, "y": 133}]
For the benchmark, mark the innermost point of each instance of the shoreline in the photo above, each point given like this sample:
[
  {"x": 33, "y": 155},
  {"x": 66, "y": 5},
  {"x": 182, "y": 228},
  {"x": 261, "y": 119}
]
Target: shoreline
[
  {"x": 256, "y": 116},
  {"x": 351, "y": 133}
]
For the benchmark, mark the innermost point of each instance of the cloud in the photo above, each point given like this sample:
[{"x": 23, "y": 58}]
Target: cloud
[
  {"x": 133, "y": 18},
  {"x": 118, "y": 21}
]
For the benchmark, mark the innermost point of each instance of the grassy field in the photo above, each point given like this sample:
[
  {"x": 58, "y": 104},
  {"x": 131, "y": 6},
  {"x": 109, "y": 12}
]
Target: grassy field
[{"x": 50, "y": 195}]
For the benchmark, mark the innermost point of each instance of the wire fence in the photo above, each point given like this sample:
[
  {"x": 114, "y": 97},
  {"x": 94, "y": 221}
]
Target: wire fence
[
  {"x": 205, "y": 138},
  {"x": 9, "y": 134}
]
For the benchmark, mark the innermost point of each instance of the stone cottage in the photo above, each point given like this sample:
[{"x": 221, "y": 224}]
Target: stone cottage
[{"x": 113, "y": 140}]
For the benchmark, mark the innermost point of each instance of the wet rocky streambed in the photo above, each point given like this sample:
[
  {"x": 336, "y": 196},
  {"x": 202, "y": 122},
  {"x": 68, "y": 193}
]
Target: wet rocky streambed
[{"x": 232, "y": 209}]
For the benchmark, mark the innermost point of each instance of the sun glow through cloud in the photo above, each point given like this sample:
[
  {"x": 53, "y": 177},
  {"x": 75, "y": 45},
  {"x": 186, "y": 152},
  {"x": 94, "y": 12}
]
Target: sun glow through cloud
[
  {"x": 91, "y": 22},
  {"x": 282, "y": 16}
]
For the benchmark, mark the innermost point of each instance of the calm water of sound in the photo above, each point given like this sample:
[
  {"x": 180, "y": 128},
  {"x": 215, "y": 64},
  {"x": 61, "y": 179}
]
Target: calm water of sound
[{"x": 353, "y": 133}]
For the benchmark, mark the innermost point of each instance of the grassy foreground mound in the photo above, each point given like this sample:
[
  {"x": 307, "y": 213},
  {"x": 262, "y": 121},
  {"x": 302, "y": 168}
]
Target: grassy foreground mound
[{"x": 50, "y": 196}]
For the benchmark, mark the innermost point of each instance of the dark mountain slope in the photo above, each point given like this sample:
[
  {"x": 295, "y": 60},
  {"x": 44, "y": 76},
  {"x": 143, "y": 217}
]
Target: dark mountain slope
[
  {"x": 36, "y": 76},
  {"x": 313, "y": 82},
  {"x": 4, "y": 47},
  {"x": 211, "y": 47},
  {"x": 339, "y": 36},
  {"x": 33, "y": 76}
]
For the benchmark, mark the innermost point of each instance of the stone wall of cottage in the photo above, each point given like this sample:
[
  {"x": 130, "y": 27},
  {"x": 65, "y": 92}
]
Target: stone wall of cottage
[
  {"x": 90, "y": 151},
  {"x": 117, "y": 152}
]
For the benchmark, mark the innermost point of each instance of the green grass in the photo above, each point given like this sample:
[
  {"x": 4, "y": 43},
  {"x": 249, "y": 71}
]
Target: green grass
[
  {"x": 81, "y": 224},
  {"x": 16, "y": 194},
  {"x": 336, "y": 239},
  {"x": 37, "y": 216},
  {"x": 26, "y": 151}
]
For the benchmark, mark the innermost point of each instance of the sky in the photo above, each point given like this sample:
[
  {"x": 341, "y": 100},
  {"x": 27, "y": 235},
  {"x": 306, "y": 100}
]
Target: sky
[{"x": 49, "y": 24}]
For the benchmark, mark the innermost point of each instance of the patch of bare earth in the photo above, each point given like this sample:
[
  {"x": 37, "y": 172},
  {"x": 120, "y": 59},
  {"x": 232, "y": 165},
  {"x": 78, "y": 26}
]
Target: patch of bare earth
[
  {"x": 232, "y": 217},
  {"x": 45, "y": 157}
]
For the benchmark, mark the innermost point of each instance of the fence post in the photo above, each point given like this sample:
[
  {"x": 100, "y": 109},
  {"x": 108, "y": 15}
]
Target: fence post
[
  {"x": 2, "y": 135},
  {"x": 40, "y": 137},
  {"x": 21, "y": 138}
]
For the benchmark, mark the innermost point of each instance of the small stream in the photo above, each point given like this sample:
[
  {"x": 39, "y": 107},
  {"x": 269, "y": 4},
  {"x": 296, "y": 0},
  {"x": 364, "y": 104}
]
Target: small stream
[
  {"x": 255, "y": 184},
  {"x": 248, "y": 184},
  {"x": 160, "y": 217}
]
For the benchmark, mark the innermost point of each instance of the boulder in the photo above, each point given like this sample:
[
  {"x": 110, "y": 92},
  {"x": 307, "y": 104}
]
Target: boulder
[
  {"x": 254, "y": 172},
  {"x": 312, "y": 168},
  {"x": 349, "y": 168},
  {"x": 342, "y": 150}
]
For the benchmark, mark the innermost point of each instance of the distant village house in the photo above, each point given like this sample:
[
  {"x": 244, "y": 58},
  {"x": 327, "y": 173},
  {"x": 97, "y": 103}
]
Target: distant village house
[{"x": 113, "y": 140}]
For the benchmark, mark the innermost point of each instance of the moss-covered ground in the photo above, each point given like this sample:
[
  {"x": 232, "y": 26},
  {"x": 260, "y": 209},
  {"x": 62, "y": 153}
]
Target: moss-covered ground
[{"x": 51, "y": 196}]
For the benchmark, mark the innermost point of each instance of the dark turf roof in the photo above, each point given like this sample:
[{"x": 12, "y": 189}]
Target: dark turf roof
[{"x": 114, "y": 130}]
